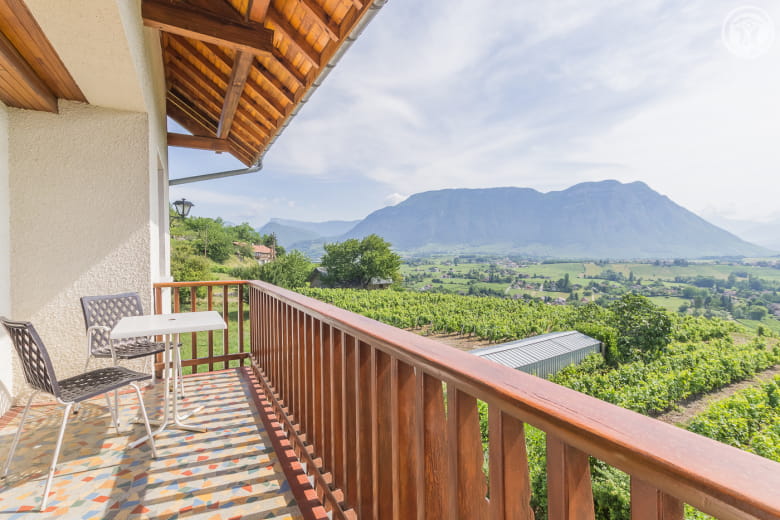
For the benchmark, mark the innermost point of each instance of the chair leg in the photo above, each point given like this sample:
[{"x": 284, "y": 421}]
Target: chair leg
[
  {"x": 47, "y": 487},
  {"x": 146, "y": 418},
  {"x": 18, "y": 434},
  {"x": 114, "y": 410}
]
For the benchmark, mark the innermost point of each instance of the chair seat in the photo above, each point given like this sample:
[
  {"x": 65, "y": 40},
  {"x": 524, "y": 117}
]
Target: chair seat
[
  {"x": 85, "y": 386},
  {"x": 131, "y": 348}
]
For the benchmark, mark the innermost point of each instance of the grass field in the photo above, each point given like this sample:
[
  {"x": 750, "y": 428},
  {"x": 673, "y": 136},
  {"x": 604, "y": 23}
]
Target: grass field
[
  {"x": 670, "y": 303},
  {"x": 770, "y": 323}
]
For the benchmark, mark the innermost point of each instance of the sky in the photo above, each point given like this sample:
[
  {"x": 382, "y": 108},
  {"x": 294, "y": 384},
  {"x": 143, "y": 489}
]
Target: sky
[{"x": 682, "y": 95}]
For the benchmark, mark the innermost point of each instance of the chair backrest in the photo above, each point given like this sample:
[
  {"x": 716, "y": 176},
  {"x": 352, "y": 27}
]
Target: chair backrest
[
  {"x": 106, "y": 311},
  {"x": 38, "y": 370}
]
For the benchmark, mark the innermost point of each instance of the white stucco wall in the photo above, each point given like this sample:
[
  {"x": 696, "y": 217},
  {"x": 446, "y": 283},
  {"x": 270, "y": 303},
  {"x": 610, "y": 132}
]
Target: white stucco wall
[
  {"x": 79, "y": 219},
  {"x": 6, "y": 354},
  {"x": 117, "y": 63}
]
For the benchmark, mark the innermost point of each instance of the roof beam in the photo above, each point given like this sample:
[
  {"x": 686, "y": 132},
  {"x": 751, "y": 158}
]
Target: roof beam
[
  {"x": 251, "y": 86},
  {"x": 14, "y": 66},
  {"x": 258, "y": 10},
  {"x": 281, "y": 24},
  {"x": 252, "y": 38},
  {"x": 323, "y": 19},
  {"x": 241, "y": 65},
  {"x": 198, "y": 142}
]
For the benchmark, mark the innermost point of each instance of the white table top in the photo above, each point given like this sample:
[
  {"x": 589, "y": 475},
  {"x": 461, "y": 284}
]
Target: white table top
[{"x": 151, "y": 325}]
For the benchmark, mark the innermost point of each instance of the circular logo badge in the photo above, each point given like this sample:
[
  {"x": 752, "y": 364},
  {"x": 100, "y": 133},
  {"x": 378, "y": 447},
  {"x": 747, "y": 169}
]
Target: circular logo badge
[{"x": 748, "y": 32}]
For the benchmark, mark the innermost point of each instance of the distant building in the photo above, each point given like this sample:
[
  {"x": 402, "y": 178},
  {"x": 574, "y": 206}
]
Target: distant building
[
  {"x": 264, "y": 254},
  {"x": 379, "y": 283},
  {"x": 543, "y": 355}
]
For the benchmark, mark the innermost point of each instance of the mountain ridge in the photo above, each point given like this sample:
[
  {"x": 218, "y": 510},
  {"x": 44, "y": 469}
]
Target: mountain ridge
[{"x": 605, "y": 219}]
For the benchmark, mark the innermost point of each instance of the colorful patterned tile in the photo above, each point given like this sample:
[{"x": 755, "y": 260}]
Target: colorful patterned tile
[{"x": 229, "y": 471}]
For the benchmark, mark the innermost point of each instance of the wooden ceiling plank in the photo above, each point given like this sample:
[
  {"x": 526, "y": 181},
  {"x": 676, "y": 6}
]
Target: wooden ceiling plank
[
  {"x": 322, "y": 18},
  {"x": 13, "y": 64},
  {"x": 214, "y": 106},
  {"x": 261, "y": 96},
  {"x": 241, "y": 65},
  {"x": 182, "y": 67},
  {"x": 273, "y": 121},
  {"x": 224, "y": 59},
  {"x": 252, "y": 38},
  {"x": 291, "y": 69},
  {"x": 272, "y": 80},
  {"x": 190, "y": 94},
  {"x": 283, "y": 26},
  {"x": 198, "y": 142},
  {"x": 220, "y": 55},
  {"x": 188, "y": 116},
  {"x": 202, "y": 61},
  {"x": 24, "y": 33}
]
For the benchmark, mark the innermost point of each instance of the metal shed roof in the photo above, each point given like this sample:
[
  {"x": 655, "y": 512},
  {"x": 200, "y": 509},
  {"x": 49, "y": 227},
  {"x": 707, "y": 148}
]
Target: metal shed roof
[{"x": 523, "y": 352}]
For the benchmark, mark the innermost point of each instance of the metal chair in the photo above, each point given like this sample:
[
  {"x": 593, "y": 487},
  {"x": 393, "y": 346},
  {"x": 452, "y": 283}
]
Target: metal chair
[
  {"x": 39, "y": 374},
  {"x": 101, "y": 314}
]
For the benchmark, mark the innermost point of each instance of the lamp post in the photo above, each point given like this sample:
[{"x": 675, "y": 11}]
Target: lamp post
[{"x": 183, "y": 207}]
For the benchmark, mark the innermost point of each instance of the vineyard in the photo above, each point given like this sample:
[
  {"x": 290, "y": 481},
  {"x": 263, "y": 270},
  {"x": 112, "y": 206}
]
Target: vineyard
[
  {"x": 699, "y": 356},
  {"x": 687, "y": 369}
]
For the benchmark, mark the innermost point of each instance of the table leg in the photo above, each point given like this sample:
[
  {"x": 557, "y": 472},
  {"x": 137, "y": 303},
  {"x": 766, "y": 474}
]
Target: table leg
[
  {"x": 166, "y": 396},
  {"x": 177, "y": 420}
]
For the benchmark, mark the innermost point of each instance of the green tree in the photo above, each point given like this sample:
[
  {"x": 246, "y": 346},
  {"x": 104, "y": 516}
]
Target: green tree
[
  {"x": 187, "y": 266},
  {"x": 643, "y": 328},
  {"x": 290, "y": 271},
  {"x": 757, "y": 312},
  {"x": 212, "y": 240},
  {"x": 246, "y": 233},
  {"x": 355, "y": 262}
]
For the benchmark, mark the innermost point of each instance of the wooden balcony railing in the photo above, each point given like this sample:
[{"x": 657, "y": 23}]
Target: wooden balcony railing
[
  {"x": 202, "y": 351},
  {"x": 387, "y": 424}
]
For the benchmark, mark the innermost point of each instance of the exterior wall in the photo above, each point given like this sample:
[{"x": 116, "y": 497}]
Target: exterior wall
[
  {"x": 6, "y": 350},
  {"x": 117, "y": 63},
  {"x": 144, "y": 48},
  {"x": 79, "y": 219}
]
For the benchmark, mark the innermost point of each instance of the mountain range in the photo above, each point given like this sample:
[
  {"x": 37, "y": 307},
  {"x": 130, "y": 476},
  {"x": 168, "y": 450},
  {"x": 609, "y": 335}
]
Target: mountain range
[
  {"x": 606, "y": 219},
  {"x": 289, "y": 232}
]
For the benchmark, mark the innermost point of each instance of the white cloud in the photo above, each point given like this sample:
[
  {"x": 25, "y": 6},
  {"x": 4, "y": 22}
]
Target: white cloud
[
  {"x": 443, "y": 94},
  {"x": 395, "y": 198}
]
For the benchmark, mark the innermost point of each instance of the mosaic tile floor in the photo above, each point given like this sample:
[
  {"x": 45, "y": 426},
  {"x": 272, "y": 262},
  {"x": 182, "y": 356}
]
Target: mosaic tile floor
[{"x": 229, "y": 472}]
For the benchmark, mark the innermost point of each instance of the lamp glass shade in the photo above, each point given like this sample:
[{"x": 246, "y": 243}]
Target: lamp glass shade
[{"x": 183, "y": 207}]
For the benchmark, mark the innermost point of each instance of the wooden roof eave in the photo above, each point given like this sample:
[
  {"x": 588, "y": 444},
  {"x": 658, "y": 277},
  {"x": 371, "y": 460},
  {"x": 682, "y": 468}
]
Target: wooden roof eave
[{"x": 248, "y": 94}]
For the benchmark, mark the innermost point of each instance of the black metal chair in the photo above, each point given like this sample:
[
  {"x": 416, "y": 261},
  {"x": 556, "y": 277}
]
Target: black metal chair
[
  {"x": 39, "y": 374},
  {"x": 101, "y": 314}
]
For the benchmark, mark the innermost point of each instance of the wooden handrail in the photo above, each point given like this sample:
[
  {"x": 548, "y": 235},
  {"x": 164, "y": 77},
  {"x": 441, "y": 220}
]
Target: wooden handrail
[
  {"x": 293, "y": 339},
  {"x": 233, "y": 346},
  {"x": 209, "y": 283}
]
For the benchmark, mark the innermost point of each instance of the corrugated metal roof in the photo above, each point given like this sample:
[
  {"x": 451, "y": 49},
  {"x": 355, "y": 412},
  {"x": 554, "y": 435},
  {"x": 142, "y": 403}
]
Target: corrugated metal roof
[{"x": 523, "y": 352}]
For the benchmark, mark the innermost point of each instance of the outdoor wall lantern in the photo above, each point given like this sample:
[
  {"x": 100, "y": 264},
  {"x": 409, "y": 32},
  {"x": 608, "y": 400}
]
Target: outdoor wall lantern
[{"x": 183, "y": 207}]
